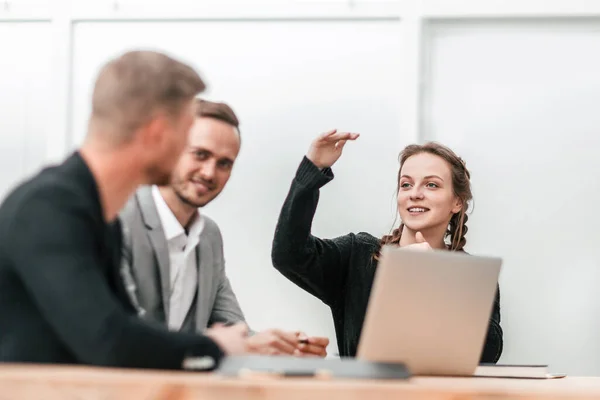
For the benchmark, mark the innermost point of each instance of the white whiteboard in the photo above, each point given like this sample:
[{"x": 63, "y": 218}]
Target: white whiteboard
[
  {"x": 288, "y": 81},
  {"x": 25, "y": 100},
  {"x": 520, "y": 102}
]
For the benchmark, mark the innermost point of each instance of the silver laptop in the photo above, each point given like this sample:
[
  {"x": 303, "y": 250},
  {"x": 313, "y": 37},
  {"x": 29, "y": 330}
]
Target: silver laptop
[{"x": 429, "y": 310}]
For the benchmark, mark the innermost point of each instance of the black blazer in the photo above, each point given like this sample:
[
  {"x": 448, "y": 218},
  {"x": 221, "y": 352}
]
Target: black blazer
[{"x": 61, "y": 296}]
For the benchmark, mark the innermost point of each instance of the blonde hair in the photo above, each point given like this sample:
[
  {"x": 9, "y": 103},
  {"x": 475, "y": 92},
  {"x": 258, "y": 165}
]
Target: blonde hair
[{"x": 130, "y": 89}]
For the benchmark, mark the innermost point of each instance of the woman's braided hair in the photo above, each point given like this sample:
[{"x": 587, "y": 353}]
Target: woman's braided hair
[{"x": 461, "y": 184}]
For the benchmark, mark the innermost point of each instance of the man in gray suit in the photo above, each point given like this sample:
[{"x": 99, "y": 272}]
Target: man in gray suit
[{"x": 173, "y": 262}]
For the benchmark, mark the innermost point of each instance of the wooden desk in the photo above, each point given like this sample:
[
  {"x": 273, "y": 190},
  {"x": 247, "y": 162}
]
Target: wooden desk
[{"x": 61, "y": 383}]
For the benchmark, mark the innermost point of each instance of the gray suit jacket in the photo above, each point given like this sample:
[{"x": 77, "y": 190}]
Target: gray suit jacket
[{"x": 145, "y": 268}]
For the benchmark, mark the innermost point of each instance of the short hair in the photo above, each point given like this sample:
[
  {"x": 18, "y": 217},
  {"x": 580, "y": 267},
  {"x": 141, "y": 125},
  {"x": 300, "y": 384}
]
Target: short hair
[
  {"x": 130, "y": 89},
  {"x": 220, "y": 111}
]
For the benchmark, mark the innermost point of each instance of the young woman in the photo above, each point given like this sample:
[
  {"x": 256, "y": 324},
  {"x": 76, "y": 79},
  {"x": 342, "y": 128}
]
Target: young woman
[{"x": 433, "y": 196}]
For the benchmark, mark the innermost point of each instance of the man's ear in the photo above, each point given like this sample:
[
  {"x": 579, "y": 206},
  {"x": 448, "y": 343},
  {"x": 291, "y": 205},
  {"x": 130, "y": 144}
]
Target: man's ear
[{"x": 152, "y": 132}]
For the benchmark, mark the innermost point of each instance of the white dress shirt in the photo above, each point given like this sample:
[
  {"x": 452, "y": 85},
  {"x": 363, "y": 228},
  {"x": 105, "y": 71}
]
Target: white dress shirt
[{"x": 182, "y": 259}]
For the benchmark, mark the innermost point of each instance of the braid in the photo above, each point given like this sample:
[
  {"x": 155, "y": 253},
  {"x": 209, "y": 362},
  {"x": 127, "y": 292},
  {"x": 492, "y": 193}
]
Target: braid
[
  {"x": 394, "y": 238},
  {"x": 457, "y": 230}
]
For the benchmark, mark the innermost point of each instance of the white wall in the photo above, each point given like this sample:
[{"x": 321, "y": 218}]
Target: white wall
[
  {"x": 24, "y": 107},
  {"x": 520, "y": 101},
  {"x": 512, "y": 86}
]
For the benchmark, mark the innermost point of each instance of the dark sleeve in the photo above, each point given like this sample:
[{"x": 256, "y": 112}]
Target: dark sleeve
[
  {"x": 55, "y": 254},
  {"x": 492, "y": 349},
  {"x": 318, "y": 266}
]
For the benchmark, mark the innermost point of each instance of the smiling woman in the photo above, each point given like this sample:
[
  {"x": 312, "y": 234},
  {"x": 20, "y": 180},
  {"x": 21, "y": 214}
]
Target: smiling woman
[{"x": 434, "y": 192}]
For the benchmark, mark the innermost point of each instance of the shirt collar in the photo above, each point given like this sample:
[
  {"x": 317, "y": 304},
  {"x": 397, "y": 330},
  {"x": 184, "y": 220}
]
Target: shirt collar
[{"x": 171, "y": 225}]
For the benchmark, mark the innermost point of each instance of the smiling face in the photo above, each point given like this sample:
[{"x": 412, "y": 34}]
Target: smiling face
[
  {"x": 206, "y": 164},
  {"x": 426, "y": 199}
]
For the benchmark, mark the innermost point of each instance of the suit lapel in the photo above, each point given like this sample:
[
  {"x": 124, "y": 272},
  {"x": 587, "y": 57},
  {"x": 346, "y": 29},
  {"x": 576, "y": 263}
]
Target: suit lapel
[
  {"x": 158, "y": 241},
  {"x": 114, "y": 242},
  {"x": 205, "y": 257}
]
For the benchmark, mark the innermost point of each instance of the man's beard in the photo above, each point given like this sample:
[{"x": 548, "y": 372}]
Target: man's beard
[{"x": 179, "y": 192}]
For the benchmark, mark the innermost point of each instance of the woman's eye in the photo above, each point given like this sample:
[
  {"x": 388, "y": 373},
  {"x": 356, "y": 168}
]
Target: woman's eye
[
  {"x": 405, "y": 185},
  {"x": 432, "y": 185}
]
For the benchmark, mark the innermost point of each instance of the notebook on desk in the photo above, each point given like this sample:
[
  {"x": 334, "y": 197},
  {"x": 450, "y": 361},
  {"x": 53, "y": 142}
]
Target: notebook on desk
[
  {"x": 288, "y": 366},
  {"x": 515, "y": 371}
]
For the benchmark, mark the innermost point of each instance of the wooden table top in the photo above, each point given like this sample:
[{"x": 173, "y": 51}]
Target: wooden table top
[{"x": 19, "y": 381}]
